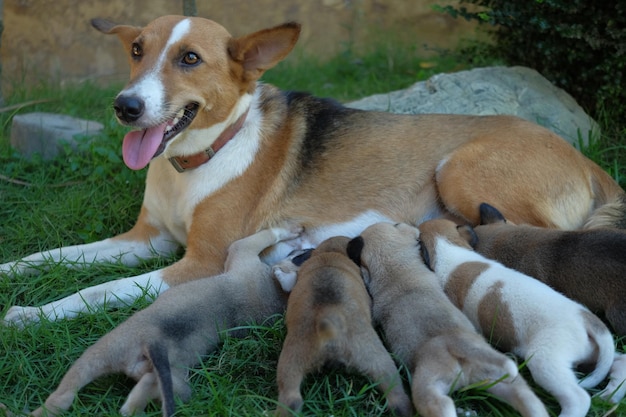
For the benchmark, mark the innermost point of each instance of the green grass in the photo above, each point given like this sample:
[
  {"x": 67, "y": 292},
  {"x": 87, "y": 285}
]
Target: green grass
[{"x": 89, "y": 195}]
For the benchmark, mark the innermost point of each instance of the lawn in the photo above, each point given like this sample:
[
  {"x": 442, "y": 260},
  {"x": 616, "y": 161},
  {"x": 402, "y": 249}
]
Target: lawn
[{"x": 90, "y": 195}]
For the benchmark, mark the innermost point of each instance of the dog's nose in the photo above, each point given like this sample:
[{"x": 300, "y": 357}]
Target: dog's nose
[{"x": 128, "y": 108}]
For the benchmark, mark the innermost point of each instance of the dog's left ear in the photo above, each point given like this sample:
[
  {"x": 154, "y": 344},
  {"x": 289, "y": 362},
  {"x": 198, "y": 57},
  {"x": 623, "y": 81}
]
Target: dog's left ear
[
  {"x": 468, "y": 233},
  {"x": 354, "y": 249},
  {"x": 260, "y": 51}
]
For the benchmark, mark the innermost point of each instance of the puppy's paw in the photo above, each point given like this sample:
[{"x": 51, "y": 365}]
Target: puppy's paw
[
  {"x": 20, "y": 316},
  {"x": 288, "y": 233},
  {"x": 286, "y": 278}
]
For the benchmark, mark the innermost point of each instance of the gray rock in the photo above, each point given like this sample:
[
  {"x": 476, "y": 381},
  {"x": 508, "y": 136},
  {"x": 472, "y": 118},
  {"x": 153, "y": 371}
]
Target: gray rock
[
  {"x": 518, "y": 91},
  {"x": 46, "y": 133}
]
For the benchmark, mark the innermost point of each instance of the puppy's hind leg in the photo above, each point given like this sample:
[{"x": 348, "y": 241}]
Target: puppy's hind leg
[
  {"x": 433, "y": 378},
  {"x": 142, "y": 393},
  {"x": 293, "y": 363},
  {"x": 520, "y": 396},
  {"x": 372, "y": 359}
]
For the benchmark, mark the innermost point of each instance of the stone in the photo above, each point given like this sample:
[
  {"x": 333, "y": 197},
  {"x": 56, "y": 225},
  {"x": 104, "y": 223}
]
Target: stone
[
  {"x": 46, "y": 133},
  {"x": 518, "y": 91}
]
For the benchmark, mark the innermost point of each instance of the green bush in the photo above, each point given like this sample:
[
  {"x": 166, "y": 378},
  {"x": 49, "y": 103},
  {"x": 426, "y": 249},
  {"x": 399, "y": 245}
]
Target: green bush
[{"x": 579, "y": 45}]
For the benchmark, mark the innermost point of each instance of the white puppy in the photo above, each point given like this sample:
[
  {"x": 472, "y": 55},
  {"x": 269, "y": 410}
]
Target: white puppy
[{"x": 522, "y": 315}]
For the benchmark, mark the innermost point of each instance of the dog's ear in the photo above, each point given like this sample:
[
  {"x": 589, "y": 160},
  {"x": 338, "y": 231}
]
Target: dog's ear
[
  {"x": 126, "y": 33},
  {"x": 354, "y": 249},
  {"x": 489, "y": 214},
  {"x": 468, "y": 233},
  {"x": 260, "y": 51}
]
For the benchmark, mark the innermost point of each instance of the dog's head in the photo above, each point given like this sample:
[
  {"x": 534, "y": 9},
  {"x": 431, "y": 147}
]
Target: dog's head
[
  {"x": 433, "y": 230},
  {"x": 189, "y": 74},
  {"x": 374, "y": 249}
]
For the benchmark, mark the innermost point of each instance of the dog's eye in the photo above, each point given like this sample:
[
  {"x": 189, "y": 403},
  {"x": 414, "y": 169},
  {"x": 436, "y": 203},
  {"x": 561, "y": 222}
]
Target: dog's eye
[
  {"x": 136, "y": 50},
  {"x": 191, "y": 58}
]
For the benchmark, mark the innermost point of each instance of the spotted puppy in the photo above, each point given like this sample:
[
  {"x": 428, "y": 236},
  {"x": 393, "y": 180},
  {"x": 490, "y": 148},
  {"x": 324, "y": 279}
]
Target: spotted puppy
[
  {"x": 522, "y": 315},
  {"x": 426, "y": 332},
  {"x": 329, "y": 321},
  {"x": 157, "y": 345},
  {"x": 588, "y": 266}
]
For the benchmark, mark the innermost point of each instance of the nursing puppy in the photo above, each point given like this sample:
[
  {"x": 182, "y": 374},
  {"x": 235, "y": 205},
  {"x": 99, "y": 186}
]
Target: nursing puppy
[
  {"x": 588, "y": 266},
  {"x": 157, "y": 345},
  {"x": 329, "y": 321},
  {"x": 522, "y": 315},
  {"x": 426, "y": 332}
]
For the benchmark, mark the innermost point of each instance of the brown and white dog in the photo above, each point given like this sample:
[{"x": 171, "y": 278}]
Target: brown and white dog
[
  {"x": 329, "y": 321},
  {"x": 157, "y": 345},
  {"x": 588, "y": 266},
  {"x": 522, "y": 315},
  {"x": 252, "y": 156},
  {"x": 426, "y": 332}
]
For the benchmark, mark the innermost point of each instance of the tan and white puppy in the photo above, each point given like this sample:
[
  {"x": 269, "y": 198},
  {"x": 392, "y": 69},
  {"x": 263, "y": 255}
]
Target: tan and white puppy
[
  {"x": 229, "y": 156},
  {"x": 157, "y": 345},
  {"x": 329, "y": 321},
  {"x": 426, "y": 332},
  {"x": 588, "y": 266},
  {"x": 522, "y": 315}
]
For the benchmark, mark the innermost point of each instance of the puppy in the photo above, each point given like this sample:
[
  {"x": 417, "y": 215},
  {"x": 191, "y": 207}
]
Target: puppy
[
  {"x": 329, "y": 321},
  {"x": 522, "y": 315},
  {"x": 588, "y": 266},
  {"x": 426, "y": 332},
  {"x": 157, "y": 345}
]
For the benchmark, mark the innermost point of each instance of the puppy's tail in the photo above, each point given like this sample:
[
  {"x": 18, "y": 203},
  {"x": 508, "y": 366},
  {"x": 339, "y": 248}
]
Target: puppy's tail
[
  {"x": 605, "y": 348},
  {"x": 161, "y": 363},
  {"x": 329, "y": 325}
]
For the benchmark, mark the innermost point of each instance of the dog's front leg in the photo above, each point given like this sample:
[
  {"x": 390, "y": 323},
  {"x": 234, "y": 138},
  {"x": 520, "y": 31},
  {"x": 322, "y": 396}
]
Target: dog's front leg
[{"x": 115, "y": 293}]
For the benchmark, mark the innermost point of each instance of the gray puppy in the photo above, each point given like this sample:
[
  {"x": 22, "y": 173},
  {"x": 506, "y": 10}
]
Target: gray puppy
[
  {"x": 425, "y": 331},
  {"x": 329, "y": 321},
  {"x": 157, "y": 345},
  {"x": 588, "y": 266}
]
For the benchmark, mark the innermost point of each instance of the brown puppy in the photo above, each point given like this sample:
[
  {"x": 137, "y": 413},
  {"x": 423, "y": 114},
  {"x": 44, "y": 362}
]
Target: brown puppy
[
  {"x": 588, "y": 266},
  {"x": 157, "y": 345},
  {"x": 422, "y": 327},
  {"x": 329, "y": 321}
]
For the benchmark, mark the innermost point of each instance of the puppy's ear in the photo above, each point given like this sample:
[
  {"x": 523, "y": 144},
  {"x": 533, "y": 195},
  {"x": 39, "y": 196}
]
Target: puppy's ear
[
  {"x": 489, "y": 214},
  {"x": 299, "y": 259},
  {"x": 354, "y": 249},
  {"x": 468, "y": 233},
  {"x": 425, "y": 256}
]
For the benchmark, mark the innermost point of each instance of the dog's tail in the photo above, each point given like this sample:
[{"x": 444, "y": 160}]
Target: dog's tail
[
  {"x": 600, "y": 335},
  {"x": 610, "y": 202},
  {"x": 161, "y": 363}
]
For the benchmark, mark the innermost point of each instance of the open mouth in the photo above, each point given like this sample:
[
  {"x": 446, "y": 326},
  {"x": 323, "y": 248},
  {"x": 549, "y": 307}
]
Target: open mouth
[{"x": 140, "y": 146}]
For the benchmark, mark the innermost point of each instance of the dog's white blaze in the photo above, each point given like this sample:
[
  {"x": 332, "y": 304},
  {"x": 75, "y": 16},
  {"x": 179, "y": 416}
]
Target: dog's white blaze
[
  {"x": 150, "y": 88},
  {"x": 176, "y": 207}
]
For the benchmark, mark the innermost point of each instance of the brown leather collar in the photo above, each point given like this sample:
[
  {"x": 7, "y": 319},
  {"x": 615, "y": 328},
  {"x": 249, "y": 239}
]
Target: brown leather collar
[{"x": 183, "y": 163}]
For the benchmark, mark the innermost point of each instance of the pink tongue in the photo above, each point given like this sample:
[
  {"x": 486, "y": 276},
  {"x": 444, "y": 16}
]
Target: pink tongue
[{"x": 140, "y": 146}]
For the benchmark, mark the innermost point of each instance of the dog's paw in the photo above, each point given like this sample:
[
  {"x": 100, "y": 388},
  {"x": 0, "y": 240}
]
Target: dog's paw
[
  {"x": 20, "y": 316},
  {"x": 286, "y": 279}
]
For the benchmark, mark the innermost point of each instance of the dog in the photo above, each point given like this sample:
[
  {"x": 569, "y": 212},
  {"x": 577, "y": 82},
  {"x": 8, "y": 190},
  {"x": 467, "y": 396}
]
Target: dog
[
  {"x": 522, "y": 315},
  {"x": 157, "y": 345},
  {"x": 229, "y": 155},
  {"x": 426, "y": 332},
  {"x": 588, "y": 266},
  {"x": 329, "y": 322}
]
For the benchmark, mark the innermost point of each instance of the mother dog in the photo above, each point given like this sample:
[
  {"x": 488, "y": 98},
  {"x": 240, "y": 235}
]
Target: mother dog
[{"x": 229, "y": 155}]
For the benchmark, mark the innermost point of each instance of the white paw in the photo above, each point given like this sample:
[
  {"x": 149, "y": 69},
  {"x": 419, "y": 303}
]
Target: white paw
[
  {"x": 290, "y": 232},
  {"x": 287, "y": 279},
  {"x": 20, "y": 316}
]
